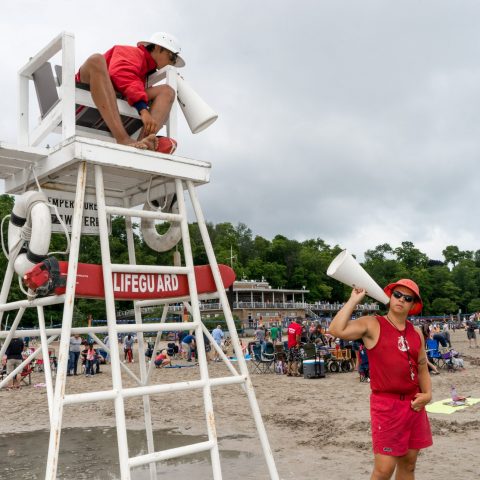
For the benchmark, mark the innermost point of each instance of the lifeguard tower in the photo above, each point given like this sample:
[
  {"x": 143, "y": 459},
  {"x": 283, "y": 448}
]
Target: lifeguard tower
[{"x": 86, "y": 165}]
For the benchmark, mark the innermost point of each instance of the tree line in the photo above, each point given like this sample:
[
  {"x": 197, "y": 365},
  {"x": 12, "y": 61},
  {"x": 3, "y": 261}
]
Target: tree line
[{"x": 447, "y": 285}]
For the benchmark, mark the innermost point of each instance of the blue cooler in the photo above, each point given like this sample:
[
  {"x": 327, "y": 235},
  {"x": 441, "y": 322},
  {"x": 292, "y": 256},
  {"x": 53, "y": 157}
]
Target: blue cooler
[{"x": 314, "y": 368}]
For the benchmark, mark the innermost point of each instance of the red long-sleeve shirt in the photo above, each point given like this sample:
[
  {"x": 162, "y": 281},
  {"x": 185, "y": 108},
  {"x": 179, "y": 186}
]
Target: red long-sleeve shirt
[{"x": 128, "y": 68}]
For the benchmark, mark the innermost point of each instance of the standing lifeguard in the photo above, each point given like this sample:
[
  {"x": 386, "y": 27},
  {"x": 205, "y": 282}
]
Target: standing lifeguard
[{"x": 399, "y": 378}]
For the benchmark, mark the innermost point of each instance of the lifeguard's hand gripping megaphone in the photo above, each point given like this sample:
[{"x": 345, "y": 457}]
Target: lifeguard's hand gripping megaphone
[
  {"x": 346, "y": 269},
  {"x": 198, "y": 113}
]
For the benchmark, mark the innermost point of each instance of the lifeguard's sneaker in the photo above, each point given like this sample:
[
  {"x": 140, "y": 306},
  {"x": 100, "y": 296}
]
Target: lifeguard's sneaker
[{"x": 166, "y": 145}]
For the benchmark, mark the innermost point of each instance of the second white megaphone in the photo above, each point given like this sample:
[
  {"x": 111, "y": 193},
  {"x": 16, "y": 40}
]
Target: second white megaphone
[
  {"x": 198, "y": 113},
  {"x": 346, "y": 269}
]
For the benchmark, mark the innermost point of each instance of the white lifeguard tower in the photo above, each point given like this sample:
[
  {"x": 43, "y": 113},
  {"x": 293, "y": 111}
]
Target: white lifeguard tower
[{"x": 85, "y": 162}]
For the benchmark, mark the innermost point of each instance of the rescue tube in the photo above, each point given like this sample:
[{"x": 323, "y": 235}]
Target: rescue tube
[
  {"x": 161, "y": 242},
  {"x": 30, "y": 210}
]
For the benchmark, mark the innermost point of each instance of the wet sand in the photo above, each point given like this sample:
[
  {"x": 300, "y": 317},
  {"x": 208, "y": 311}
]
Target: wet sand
[{"x": 318, "y": 428}]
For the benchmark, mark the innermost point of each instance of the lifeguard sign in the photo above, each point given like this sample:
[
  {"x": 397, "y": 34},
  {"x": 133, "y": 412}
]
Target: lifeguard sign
[{"x": 65, "y": 202}]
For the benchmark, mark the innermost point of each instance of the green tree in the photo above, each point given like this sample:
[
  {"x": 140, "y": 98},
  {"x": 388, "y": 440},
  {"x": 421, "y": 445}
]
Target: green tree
[
  {"x": 443, "y": 306},
  {"x": 411, "y": 256},
  {"x": 474, "y": 305}
]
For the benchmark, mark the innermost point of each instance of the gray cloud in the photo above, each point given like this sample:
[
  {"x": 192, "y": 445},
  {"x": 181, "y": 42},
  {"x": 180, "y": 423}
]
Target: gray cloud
[{"x": 355, "y": 122}]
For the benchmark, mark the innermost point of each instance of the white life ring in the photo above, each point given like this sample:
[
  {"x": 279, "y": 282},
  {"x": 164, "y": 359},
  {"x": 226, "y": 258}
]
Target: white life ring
[
  {"x": 166, "y": 241},
  {"x": 30, "y": 210}
]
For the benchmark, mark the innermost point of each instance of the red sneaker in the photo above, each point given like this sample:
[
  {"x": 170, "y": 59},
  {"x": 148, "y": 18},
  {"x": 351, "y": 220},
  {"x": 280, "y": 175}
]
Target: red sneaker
[{"x": 166, "y": 145}]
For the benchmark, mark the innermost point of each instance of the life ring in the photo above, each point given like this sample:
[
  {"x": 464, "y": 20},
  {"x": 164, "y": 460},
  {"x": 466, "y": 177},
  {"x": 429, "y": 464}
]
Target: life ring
[
  {"x": 161, "y": 242},
  {"x": 30, "y": 210}
]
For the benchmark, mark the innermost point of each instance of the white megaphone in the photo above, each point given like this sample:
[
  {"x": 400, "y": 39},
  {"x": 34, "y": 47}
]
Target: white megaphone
[
  {"x": 198, "y": 113},
  {"x": 346, "y": 269}
]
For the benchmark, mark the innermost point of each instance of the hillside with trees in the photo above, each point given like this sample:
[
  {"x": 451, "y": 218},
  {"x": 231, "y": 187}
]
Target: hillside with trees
[{"x": 447, "y": 284}]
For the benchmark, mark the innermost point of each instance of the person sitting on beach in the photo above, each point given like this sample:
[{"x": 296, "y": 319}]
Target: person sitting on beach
[
  {"x": 162, "y": 359},
  {"x": 124, "y": 69}
]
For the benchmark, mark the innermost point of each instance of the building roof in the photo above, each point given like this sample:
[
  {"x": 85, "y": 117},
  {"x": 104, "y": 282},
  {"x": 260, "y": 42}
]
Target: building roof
[{"x": 261, "y": 286}]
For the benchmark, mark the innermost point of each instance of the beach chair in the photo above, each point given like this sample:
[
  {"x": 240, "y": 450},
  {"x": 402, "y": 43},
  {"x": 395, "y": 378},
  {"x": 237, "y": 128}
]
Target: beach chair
[
  {"x": 269, "y": 357},
  {"x": 26, "y": 374},
  {"x": 87, "y": 117},
  {"x": 262, "y": 362},
  {"x": 433, "y": 353},
  {"x": 448, "y": 359},
  {"x": 309, "y": 351}
]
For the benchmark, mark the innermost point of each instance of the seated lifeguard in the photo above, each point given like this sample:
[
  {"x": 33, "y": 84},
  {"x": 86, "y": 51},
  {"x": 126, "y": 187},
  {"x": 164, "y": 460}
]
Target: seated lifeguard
[{"x": 125, "y": 69}]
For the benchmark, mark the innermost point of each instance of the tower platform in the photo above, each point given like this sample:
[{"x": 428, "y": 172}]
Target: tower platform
[{"x": 124, "y": 179}]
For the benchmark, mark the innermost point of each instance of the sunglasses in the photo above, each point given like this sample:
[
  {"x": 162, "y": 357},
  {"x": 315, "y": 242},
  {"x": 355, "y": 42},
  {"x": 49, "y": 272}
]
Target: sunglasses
[
  {"x": 398, "y": 295},
  {"x": 173, "y": 57}
]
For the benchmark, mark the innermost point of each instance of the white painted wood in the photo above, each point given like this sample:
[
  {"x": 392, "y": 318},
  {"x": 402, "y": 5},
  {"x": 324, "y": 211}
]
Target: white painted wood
[{"x": 61, "y": 380}]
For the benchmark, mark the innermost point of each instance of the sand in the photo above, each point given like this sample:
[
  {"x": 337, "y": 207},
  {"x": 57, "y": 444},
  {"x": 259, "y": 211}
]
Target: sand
[{"x": 318, "y": 428}]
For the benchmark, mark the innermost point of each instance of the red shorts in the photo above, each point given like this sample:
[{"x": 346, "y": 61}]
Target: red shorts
[{"x": 396, "y": 428}]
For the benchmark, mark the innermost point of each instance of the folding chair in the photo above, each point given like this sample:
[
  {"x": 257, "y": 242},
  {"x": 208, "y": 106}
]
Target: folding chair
[
  {"x": 268, "y": 357},
  {"x": 262, "y": 362},
  {"x": 433, "y": 353},
  {"x": 26, "y": 375},
  {"x": 87, "y": 118},
  {"x": 309, "y": 351}
]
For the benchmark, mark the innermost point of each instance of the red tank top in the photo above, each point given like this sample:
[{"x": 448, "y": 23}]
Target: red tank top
[{"x": 389, "y": 359}]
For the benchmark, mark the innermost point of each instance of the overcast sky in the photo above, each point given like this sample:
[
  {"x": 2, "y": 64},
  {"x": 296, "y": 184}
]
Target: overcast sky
[{"x": 356, "y": 121}]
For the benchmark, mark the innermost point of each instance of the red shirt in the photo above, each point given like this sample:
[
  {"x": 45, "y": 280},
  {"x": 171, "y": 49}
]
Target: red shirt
[
  {"x": 294, "y": 329},
  {"x": 389, "y": 362},
  {"x": 128, "y": 68}
]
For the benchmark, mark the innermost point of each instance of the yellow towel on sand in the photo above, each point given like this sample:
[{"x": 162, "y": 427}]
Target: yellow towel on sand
[{"x": 442, "y": 406}]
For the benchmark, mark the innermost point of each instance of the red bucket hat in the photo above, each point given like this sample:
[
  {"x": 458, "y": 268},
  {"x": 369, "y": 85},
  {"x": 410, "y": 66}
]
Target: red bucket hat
[{"x": 406, "y": 282}]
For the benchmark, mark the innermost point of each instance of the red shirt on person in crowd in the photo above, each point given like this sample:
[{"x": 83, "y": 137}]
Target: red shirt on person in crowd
[{"x": 294, "y": 330}]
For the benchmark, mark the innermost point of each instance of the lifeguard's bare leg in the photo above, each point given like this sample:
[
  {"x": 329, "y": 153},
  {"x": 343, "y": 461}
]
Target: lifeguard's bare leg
[
  {"x": 384, "y": 467},
  {"x": 161, "y": 98},
  {"x": 406, "y": 466}
]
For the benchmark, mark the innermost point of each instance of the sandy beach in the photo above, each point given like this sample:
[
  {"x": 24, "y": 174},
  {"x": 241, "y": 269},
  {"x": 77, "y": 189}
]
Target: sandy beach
[{"x": 318, "y": 428}]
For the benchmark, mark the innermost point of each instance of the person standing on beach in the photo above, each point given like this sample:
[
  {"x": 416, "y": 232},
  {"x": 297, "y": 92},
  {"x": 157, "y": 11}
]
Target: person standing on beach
[
  {"x": 74, "y": 354},
  {"x": 471, "y": 335},
  {"x": 14, "y": 358},
  {"x": 128, "y": 349},
  {"x": 274, "y": 333},
  {"x": 293, "y": 354},
  {"x": 399, "y": 378},
  {"x": 218, "y": 336}
]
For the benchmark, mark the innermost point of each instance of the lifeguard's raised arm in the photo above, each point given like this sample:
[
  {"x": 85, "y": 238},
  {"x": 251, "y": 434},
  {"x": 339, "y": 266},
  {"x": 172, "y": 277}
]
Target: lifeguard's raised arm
[{"x": 342, "y": 326}]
